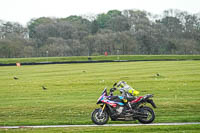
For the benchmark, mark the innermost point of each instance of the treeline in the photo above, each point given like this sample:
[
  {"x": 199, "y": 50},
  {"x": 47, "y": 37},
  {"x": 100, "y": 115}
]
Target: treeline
[{"x": 115, "y": 32}]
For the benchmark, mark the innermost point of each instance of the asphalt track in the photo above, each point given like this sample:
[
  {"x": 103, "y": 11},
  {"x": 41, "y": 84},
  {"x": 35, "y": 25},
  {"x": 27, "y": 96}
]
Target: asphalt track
[{"x": 106, "y": 125}]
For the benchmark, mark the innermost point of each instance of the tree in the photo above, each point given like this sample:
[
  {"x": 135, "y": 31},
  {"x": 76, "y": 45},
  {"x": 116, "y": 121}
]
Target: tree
[
  {"x": 136, "y": 18},
  {"x": 173, "y": 25},
  {"x": 117, "y": 32},
  {"x": 118, "y": 23},
  {"x": 89, "y": 41},
  {"x": 94, "y": 27},
  {"x": 34, "y": 23},
  {"x": 102, "y": 20}
]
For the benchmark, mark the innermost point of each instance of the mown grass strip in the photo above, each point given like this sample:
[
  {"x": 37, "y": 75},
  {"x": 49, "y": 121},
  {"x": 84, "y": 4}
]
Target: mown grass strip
[
  {"x": 72, "y": 91},
  {"x": 143, "y": 129},
  {"x": 99, "y": 58}
]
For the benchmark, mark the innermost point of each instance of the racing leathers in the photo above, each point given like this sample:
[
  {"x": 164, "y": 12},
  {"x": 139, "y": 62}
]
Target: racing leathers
[{"x": 127, "y": 92}]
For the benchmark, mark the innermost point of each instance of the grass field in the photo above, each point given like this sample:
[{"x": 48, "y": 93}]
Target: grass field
[
  {"x": 72, "y": 91},
  {"x": 99, "y": 58},
  {"x": 138, "y": 129}
]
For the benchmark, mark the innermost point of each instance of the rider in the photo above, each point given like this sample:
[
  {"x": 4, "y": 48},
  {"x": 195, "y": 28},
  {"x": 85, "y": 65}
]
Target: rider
[{"x": 127, "y": 92}]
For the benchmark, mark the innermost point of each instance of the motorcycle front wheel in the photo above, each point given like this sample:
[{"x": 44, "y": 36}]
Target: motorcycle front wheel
[
  {"x": 148, "y": 117},
  {"x": 99, "y": 117}
]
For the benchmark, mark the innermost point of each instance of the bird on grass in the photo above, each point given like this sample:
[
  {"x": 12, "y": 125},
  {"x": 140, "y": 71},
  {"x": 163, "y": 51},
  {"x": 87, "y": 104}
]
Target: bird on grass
[
  {"x": 15, "y": 78},
  {"x": 44, "y": 88}
]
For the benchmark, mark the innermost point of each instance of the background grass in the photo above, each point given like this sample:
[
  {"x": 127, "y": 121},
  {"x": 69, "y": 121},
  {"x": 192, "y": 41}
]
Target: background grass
[
  {"x": 138, "y": 129},
  {"x": 99, "y": 58},
  {"x": 72, "y": 90}
]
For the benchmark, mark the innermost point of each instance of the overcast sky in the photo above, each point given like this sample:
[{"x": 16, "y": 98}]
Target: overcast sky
[{"x": 23, "y": 11}]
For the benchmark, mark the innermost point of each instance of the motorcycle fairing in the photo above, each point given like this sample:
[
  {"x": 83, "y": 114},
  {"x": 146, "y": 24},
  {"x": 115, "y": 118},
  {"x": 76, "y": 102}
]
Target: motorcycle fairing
[
  {"x": 137, "y": 99},
  {"x": 112, "y": 103}
]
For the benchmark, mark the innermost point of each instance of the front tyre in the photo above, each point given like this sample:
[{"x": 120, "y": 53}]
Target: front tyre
[
  {"x": 148, "y": 116},
  {"x": 98, "y": 117}
]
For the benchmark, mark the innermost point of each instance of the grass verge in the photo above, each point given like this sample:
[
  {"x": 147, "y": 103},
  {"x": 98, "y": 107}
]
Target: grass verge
[
  {"x": 138, "y": 129},
  {"x": 72, "y": 90},
  {"x": 99, "y": 58}
]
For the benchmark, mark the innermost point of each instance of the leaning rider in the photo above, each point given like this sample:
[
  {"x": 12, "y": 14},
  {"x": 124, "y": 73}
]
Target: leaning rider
[{"x": 127, "y": 92}]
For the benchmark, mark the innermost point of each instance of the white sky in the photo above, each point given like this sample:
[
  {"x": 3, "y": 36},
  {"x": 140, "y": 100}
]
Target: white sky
[{"x": 23, "y": 11}]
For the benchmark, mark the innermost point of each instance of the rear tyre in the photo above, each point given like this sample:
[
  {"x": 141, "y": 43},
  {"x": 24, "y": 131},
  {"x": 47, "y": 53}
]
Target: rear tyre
[
  {"x": 97, "y": 119},
  {"x": 148, "y": 117}
]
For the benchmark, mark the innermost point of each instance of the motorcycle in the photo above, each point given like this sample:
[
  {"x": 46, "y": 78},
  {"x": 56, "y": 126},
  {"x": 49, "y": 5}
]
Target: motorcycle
[{"x": 117, "y": 110}]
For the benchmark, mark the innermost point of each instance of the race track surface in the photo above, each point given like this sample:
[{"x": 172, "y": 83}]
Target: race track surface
[{"x": 106, "y": 125}]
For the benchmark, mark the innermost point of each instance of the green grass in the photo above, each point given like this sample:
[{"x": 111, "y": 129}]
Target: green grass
[
  {"x": 99, "y": 58},
  {"x": 138, "y": 129},
  {"x": 74, "y": 88}
]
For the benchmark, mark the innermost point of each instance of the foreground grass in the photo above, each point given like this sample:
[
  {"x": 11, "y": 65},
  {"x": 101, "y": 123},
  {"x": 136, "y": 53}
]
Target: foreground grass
[
  {"x": 72, "y": 90},
  {"x": 99, "y": 58},
  {"x": 138, "y": 129}
]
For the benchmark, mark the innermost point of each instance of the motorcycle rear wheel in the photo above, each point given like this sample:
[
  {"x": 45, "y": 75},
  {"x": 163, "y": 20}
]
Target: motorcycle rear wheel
[
  {"x": 97, "y": 119},
  {"x": 150, "y": 115}
]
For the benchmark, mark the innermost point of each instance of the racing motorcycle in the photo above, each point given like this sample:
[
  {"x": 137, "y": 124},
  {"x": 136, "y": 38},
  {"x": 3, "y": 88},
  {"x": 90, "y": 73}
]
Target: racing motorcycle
[{"x": 117, "y": 110}]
